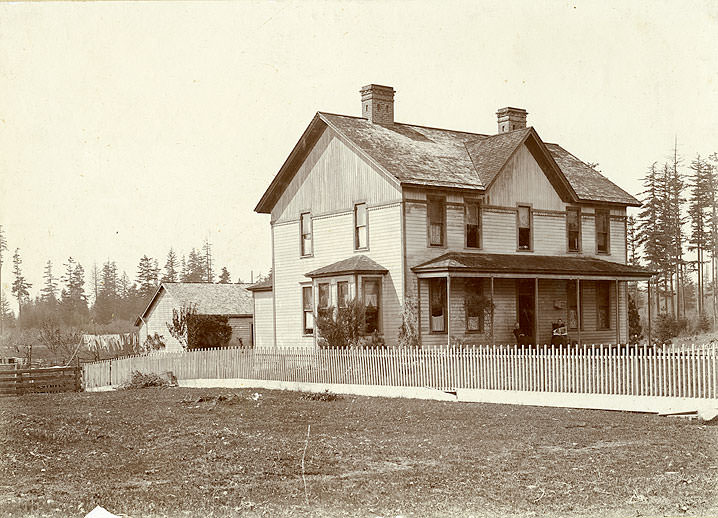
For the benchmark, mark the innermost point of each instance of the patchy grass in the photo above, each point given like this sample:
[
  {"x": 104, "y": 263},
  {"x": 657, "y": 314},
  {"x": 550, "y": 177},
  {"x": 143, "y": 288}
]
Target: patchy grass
[{"x": 192, "y": 452}]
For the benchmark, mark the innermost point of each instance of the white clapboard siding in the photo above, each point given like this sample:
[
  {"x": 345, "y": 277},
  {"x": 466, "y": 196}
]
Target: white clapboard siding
[
  {"x": 523, "y": 181},
  {"x": 333, "y": 241},
  {"x": 332, "y": 177},
  {"x": 157, "y": 320},
  {"x": 263, "y": 319}
]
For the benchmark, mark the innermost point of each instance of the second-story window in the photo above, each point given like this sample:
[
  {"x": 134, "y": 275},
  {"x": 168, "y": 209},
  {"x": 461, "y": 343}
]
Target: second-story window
[
  {"x": 573, "y": 228},
  {"x": 524, "y": 227},
  {"x": 472, "y": 223},
  {"x": 305, "y": 224},
  {"x": 602, "y": 232},
  {"x": 436, "y": 220},
  {"x": 361, "y": 227}
]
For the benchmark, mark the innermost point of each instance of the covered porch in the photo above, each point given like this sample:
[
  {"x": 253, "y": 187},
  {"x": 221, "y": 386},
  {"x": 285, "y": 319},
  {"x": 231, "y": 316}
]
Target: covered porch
[{"x": 475, "y": 298}]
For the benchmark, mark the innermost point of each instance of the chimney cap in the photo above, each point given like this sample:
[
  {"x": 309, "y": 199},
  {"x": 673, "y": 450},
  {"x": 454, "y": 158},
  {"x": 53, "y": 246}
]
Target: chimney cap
[{"x": 509, "y": 109}]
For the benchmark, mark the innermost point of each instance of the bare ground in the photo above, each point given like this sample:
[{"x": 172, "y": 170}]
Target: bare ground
[{"x": 163, "y": 452}]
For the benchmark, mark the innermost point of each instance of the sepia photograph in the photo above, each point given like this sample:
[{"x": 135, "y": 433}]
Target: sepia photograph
[{"x": 358, "y": 258}]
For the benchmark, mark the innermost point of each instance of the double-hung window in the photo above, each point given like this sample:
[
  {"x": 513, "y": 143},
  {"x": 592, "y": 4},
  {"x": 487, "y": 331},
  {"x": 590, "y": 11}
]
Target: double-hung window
[
  {"x": 473, "y": 306},
  {"x": 524, "y": 227},
  {"x": 372, "y": 305},
  {"x": 342, "y": 294},
  {"x": 602, "y": 232},
  {"x": 436, "y": 220},
  {"x": 472, "y": 223},
  {"x": 305, "y": 224},
  {"x": 324, "y": 298},
  {"x": 361, "y": 227},
  {"x": 437, "y": 305},
  {"x": 573, "y": 228},
  {"x": 575, "y": 305},
  {"x": 307, "y": 310},
  {"x": 603, "y": 304}
]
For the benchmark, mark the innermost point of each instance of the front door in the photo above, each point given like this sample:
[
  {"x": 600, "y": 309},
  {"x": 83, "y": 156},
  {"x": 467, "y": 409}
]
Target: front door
[{"x": 526, "y": 306}]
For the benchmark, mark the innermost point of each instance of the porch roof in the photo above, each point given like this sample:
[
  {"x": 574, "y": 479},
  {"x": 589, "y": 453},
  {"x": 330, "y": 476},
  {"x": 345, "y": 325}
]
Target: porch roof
[
  {"x": 527, "y": 265},
  {"x": 355, "y": 264}
]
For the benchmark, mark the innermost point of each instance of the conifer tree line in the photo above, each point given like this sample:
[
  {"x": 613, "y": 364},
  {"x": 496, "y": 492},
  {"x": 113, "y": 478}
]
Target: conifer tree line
[
  {"x": 677, "y": 232},
  {"x": 105, "y": 297}
]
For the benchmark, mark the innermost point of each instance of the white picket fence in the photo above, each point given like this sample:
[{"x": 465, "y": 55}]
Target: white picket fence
[{"x": 677, "y": 371}]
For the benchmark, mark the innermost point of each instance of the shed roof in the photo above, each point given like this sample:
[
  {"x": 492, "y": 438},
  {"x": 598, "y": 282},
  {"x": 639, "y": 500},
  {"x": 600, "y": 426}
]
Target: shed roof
[
  {"x": 425, "y": 156},
  {"x": 263, "y": 285},
  {"x": 526, "y": 264},
  {"x": 350, "y": 265},
  {"x": 208, "y": 298}
]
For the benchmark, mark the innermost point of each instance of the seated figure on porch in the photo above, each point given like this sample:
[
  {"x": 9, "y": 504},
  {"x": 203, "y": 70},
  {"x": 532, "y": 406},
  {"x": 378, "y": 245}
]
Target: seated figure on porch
[
  {"x": 521, "y": 338},
  {"x": 559, "y": 335}
]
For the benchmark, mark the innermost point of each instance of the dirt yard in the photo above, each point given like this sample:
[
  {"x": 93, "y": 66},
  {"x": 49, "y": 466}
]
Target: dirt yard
[{"x": 182, "y": 452}]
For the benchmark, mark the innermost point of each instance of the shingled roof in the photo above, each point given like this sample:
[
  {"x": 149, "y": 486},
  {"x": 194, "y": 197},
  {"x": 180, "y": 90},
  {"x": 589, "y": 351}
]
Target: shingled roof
[
  {"x": 208, "y": 298},
  {"x": 350, "y": 265},
  {"x": 530, "y": 265},
  {"x": 425, "y": 156}
]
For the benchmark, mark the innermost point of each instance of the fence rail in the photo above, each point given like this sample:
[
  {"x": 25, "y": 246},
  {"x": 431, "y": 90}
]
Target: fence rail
[
  {"x": 24, "y": 381},
  {"x": 685, "y": 371}
]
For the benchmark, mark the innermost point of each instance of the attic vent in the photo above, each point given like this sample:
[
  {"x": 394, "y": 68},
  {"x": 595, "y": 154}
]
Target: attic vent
[{"x": 511, "y": 119}]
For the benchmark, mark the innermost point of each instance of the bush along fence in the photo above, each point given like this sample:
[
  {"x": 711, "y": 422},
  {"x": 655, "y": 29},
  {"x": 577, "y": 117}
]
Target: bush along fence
[{"x": 675, "y": 371}]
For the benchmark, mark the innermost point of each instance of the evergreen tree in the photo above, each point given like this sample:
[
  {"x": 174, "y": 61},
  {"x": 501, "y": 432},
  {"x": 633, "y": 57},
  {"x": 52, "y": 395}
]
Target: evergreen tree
[
  {"x": 108, "y": 298},
  {"x": 195, "y": 271},
  {"x": 170, "y": 273},
  {"x": 6, "y": 314},
  {"x": 146, "y": 277},
  {"x": 48, "y": 294},
  {"x": 20, "y": 286},
  {"x": 73, "y": 301},
  {"x": 207, "y": 263},
  {"x": 3, "y": 248},
  {"x": 224, "y": 277},
  {"x": 698, "y": 211}
]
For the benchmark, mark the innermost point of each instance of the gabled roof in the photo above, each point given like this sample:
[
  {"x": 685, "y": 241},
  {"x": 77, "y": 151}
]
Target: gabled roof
[
  {"x": 208, "y": 298},
  {"x": 359, "y": 264},
  {"x": 529, "y": 264},
  {"x": 419, "y": 155},
  {"x": 263, "y": 285}
]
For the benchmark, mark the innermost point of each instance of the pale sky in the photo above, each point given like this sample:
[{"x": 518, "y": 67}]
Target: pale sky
[{"x": 127, "y": 128}]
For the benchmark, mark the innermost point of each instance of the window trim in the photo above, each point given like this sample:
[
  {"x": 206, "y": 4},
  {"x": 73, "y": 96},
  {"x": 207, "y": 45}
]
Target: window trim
[
  {"x": 607, "y": 213},
  {"x": 577, "y": 209},
  {"x": 441, "y": 199},
  {"x": 433, "y": 281},
  {"x": 608, "y": 305},
  {"x": 531, "y": 227},
  {"x": 482, "y": 327},
  {"x": 305, "y": 310},
  {"x": 479, "y": 215},
  {"x": 379, "y": 301},
  {"x": 301, "y": 235},
  {"x": 366, "y": 226}
]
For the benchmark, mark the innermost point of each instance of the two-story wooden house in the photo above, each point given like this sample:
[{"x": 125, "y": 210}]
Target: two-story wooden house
[{"x": 369, "y": 207}]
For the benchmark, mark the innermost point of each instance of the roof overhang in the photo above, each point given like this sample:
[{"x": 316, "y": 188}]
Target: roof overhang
[
  {"x": 141, "y": 317},
  {"x": 355, "y": 265},
  {"x": 457, "y": 264}
]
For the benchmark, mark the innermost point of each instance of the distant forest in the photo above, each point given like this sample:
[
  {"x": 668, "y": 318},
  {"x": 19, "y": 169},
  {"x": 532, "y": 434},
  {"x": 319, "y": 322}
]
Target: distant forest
[{"x": 104, "y": 300}]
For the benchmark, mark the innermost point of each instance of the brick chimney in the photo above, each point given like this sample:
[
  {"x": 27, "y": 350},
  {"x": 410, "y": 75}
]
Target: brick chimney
[
  {"x": 377, "y": 104},
  {"x": 511, "y": 119}
]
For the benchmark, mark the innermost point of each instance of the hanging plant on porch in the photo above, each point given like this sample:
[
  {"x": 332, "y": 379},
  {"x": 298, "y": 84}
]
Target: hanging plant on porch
[{"x": 478, "y": 310}]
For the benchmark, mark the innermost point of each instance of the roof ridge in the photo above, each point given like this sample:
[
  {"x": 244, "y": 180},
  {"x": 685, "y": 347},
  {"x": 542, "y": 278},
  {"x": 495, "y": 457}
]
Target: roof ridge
[{"x": 485, "y": 135}]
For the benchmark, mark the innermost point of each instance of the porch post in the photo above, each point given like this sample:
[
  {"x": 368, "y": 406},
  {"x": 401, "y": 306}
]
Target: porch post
[
  {"x": 578, "y": 309},
  {"x": 649, "y": 311},
  {"x": 448, "y": 309},
  {"x": 493, "y": 340},
  {"x": 536, "y": 312},
  {"x": 618, "y": 315}
]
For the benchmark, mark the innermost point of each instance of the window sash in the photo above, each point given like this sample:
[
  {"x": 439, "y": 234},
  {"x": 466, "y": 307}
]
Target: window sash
[
  {"x": 603, "y": 305},
  {"x": 437, "y": 305},
  {"x": 573, "y": 226},
  {"x": 307, "y": 310},
  {"x": 602, "y": 231},
  {"x": 324, "y": 297},
  {"x": 437, "y": 221},
  {"x": 342, "y": 293},
  {"x": 524, "y": 227},
  {"x": 472, "y": 222},
  {"x": 306, "y": 233},
  {"x": 573, "y": 318},
  {"x": 371, "y": 290},
  {"x": 474, "y": 313},
  {"x": 361, "y": 226}
]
